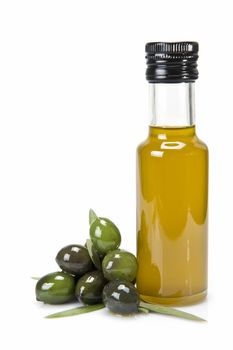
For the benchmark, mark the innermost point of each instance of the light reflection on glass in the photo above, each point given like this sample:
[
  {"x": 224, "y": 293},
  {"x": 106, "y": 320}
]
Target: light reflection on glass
[
  {"x": 188, "y": 251},
  {"x": 172, "y": 145},
  {"x": 156, "y": 154},
  {"x": 162, "y": 137}
]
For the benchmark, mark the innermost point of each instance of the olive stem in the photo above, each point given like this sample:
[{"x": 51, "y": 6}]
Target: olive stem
[
  {"x": 76, "y": 311},
  {"x": 169, "y": 311}
]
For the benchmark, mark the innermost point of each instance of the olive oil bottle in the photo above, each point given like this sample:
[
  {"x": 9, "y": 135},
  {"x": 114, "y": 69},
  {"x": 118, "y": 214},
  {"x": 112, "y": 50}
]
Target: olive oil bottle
[{"x": 172, "y": 182}]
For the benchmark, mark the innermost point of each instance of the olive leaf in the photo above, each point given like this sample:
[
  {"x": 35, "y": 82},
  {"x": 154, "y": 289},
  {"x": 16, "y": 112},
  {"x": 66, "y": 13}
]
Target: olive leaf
[
  {"x": 93, "y": 254},
  {"x": 142, "y": 309},
  {"x": 169, "y": 311},
  {"x": 92, "y": 216},
  {"x": 76, "y": 311},
  {"x": 35, "y": 278}
]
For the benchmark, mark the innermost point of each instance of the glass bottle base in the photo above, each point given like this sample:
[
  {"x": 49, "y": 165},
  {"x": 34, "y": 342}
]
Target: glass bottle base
[{"x": 179, "y": 301}]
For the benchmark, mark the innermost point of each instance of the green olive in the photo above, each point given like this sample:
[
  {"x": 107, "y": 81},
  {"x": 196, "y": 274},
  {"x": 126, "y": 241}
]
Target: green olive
[
  {"x": 56, "y": 288},
  {"x": 119, "y": 264},
  {"x": 74, "y": 259},
  {"x": 121, "y": 297},
  {"x": 89, "y": 288},
  {"x": 105, "y": 235}
]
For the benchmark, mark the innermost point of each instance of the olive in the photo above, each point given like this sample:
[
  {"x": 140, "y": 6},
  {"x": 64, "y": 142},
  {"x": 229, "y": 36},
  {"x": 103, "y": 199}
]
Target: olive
[
  {"x": 56, "y": 288},
  {"x": 121, "y": 297},
  {"x": 74, "y": 259},
  {"x": 119, "y": 264},
  {"x": 105, "y": 235},
  {"x": 89, "y": 288}
]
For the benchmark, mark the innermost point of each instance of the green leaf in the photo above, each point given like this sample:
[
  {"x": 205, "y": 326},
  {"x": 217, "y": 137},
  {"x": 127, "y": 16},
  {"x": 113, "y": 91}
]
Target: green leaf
[
  {"x": 76, "y": 311},
  {"x": 142, "y": 309},
  {"x": 35, "y": 278},
  {"x": 92, "y": 216},
  {"x": 93, "y": 254},
  {"x": 169, "y": 311}
]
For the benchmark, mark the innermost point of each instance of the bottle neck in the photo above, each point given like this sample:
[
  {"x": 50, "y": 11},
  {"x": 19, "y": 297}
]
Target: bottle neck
[{"x": 171, "y": 105}]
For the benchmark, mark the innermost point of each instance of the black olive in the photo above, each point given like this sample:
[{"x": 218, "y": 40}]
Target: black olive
[
  {"x": 74, "y": 259},
  {"x": 89, "y": 288},
  {"x": 121, "y": 297}
]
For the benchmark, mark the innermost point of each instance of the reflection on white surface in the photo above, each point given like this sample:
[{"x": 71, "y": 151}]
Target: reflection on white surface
[{"x": 172, "y": 145}]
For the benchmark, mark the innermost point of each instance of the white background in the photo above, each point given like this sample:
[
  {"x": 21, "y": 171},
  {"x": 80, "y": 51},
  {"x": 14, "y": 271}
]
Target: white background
[{"x": 73, "y": 107}]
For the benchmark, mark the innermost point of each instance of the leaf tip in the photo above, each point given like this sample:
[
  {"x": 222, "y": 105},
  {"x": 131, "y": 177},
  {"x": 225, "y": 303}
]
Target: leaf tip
[{"x": 92, "y": 216}]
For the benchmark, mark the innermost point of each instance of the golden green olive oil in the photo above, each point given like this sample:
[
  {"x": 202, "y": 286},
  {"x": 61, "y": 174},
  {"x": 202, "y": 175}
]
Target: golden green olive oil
[{"x": 172, "y": 190}]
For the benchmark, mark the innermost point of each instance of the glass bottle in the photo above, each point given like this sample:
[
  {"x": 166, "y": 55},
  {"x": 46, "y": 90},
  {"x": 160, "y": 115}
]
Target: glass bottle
[{"x": 172, "y": 183}]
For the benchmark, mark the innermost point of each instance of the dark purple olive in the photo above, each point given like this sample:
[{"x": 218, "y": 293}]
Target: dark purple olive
[
  {"x": 121, "y": 297},
  {"x": 74, "y": 259}
]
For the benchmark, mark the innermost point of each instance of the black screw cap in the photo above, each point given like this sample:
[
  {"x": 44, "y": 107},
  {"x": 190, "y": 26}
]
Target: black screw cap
[{"x": 171, "y": 62}]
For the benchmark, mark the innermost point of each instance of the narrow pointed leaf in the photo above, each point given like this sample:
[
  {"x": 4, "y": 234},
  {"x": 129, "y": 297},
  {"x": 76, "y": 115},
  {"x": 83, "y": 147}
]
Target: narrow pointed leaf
[
  {"x": 93, "y": 254},
  {"x": 92, "y": 216},
  {"x": 142, "y": 309},
  {"x": 35, "y": 278},
  {"x": 76, "y": 311},
  {"x": 169, "y": 311}
]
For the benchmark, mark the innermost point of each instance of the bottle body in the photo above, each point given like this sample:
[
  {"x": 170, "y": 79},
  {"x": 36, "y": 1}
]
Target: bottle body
[{"x": 172, "y": 205}]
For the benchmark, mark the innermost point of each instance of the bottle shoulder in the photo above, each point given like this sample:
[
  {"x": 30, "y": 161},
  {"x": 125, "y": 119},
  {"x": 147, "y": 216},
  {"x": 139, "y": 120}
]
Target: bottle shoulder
[
  {"x": 145, "y": 143},
  {"x": 201, "y": 144},
  {"x": 190, "y": 144}
]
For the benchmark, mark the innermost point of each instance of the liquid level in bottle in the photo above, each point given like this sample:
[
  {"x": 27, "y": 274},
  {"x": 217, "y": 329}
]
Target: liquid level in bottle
[{"x": 172, "y": 190}]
